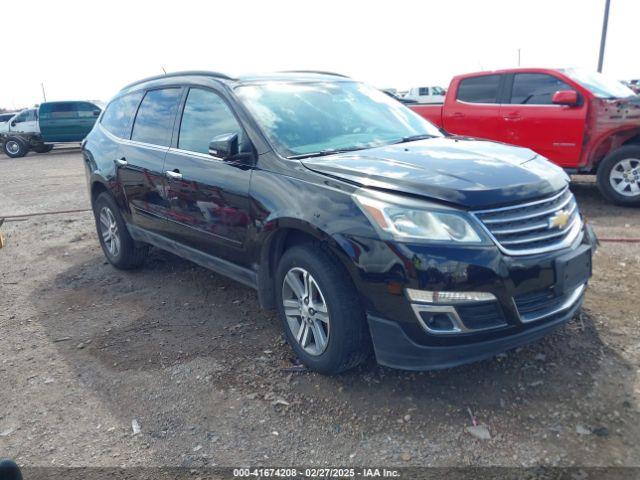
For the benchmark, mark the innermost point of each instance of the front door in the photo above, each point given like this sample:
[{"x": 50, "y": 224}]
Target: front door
[
  {"x": 25, "y": 122},
  {"x": 208, "y": 196},
  {"x": 141, "y": 159},
  {"x": 531, "y": 120}
]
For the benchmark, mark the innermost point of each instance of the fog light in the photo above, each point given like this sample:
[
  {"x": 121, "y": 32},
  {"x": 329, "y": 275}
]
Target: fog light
[
  {"x": 437, "y": 297},
  {"x": 438, "y": 322}
]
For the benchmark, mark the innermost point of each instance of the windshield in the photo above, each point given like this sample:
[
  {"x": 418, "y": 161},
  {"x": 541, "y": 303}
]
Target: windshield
[
  {"x": 598, "y": 84},
  {"x": 306, "y": 118}
]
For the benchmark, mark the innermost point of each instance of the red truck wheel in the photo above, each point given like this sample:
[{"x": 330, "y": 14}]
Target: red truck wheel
[{"x": 619, "y": 176}]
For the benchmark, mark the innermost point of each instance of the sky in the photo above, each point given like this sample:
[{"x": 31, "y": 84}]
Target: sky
[{"x": 90, "y": 49}]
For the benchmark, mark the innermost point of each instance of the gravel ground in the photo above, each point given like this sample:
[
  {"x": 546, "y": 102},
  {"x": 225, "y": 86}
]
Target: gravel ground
[{"x": 188, "y": 357}]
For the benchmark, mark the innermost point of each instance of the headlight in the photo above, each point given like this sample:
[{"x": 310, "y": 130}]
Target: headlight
[{"x": 415, "y": 221}]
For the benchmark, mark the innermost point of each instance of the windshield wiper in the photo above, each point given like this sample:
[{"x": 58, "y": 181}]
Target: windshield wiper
[
  {"x": 413, "y": 138},
  {"x": 329, "y": 151}
]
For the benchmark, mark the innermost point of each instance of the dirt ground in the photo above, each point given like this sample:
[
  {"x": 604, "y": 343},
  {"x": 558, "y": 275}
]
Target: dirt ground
[{"x": 85, "y": 350}]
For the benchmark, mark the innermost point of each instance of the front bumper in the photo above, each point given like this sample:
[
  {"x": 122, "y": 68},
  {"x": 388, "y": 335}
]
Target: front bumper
[
  {"x": 393, "y": 348},
  {"x": 531, "y": 299}
]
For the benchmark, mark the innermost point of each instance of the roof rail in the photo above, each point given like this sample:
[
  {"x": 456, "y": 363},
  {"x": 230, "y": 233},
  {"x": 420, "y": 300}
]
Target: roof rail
[
  {"x": 320, "y": 72},
  {"x": 181, "y": 74}
]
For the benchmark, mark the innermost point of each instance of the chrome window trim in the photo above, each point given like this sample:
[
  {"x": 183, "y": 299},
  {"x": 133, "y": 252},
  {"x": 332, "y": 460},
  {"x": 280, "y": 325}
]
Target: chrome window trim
[
  {"x": 203, "y": 156},
  {"x": 133, "y": 143}
]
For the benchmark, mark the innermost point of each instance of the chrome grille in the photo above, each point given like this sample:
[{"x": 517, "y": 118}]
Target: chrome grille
[{"x": 534, "y": 227}]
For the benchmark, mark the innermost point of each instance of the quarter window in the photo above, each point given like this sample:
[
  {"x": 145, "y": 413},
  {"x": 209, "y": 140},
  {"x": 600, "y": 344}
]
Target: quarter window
[
  {"x": 205, "y": 116},
  {"x": 155, "y": 117},
  {"x": 482, "y": 89},
  {"x": 119, "y": 114},
  {"x": 535, "y": 88}
]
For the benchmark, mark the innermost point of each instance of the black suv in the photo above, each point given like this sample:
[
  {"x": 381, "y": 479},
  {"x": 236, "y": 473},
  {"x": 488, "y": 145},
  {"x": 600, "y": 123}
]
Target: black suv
[{"x": 359, "y": 221}]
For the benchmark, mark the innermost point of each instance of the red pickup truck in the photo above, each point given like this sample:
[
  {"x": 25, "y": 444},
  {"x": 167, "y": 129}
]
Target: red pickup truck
[{"x": 582, "y": 121}]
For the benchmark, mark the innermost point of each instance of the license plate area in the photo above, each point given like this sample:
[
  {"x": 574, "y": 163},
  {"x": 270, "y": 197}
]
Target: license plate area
[{"x": 573, "y": 269}]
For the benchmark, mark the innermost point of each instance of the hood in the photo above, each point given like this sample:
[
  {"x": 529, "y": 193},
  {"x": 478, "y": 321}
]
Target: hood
[{"x": 466, "y": 172}]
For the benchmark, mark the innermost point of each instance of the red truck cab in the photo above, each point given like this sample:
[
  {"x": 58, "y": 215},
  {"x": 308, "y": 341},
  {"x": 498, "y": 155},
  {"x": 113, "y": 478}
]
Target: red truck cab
[{"x": 580, "y": 120}]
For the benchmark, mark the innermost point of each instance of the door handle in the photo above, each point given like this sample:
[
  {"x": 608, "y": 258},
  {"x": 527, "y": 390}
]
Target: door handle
[
  {"x": 173, "y": 174},
  {"x": 457, "y": 114},
  {"x": 121, "y": 162},
  {"x": 512, "y": 118}
]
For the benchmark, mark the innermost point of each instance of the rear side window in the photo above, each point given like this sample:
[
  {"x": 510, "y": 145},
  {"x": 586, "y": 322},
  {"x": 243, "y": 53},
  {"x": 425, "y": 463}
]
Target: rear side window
[
  {"x": 482, "y": 89},
  {"x": 155, "y": 117},
  {"x": 119, "y": 114},
  {"x": 423, "y": 91},
  {"x": 86, "y": 109},
  {"x": 205, "y": 116},
  {"x": 60, "y": 110},
  {"x": 535, "y": 88}
]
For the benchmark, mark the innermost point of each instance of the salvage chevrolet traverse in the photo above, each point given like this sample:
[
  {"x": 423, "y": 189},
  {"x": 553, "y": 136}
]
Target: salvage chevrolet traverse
[{"x": 364, "y": 226}]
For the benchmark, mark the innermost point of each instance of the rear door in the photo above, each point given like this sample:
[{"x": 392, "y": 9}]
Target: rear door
[
  {"x": 88, "y": 113},
  {"x": 208, "y": 196},
  {"x": 67, "y": 121},
  {"x": 141, "y": 159},
  {"x": 475, "y": 111},
  {"x": 528, "y": 118}
]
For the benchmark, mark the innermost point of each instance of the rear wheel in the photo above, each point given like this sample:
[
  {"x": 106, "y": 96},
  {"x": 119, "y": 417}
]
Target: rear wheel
[
  {"x": 319, "y": 307},
  {"x": 118, "y": 246},
  {"x": 619, "y": 176},
  {"x": 15, "y": 147},
  {"x": 42, "y": 148}
]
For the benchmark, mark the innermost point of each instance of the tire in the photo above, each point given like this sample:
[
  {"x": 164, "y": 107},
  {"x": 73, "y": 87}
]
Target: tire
[
  {"x": 619, "y": 176},
  {"x": 345, "y": 330},
  {"x": 120, "y": 249},
  {"x": 15, "y": 147},
  {"x": 42, "y": 148}
]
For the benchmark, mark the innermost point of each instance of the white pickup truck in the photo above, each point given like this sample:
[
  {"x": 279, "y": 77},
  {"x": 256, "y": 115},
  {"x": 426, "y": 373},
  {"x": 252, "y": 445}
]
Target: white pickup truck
[
  {"x": 38, "y": 129},
  {"x": 426, "y": 94}
]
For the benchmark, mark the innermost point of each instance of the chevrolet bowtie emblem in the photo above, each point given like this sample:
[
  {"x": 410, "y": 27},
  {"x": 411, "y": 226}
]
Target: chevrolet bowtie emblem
[{"x": 559, "y": 220}]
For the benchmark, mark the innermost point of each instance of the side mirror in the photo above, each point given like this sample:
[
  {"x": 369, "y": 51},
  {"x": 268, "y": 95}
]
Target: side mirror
[
  {"x": 13, "y": 123},
  {"x": 96, "y": 113},
  {"x": 224, "y": 146},
  {"x": 565, "y": 97}
]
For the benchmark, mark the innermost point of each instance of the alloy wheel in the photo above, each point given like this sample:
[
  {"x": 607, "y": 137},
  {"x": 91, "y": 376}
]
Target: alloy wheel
[
  {"x": 109, "y": 231},
  {"x": 12, "y": 147},
  {"x": 306, "y": 311},
  {"x": 625, "y": 177}
]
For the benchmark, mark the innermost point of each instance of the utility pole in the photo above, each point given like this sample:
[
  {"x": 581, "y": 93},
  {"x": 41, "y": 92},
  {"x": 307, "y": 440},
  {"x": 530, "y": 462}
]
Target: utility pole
[
  {"x": 44, "y": 95},
  {"x": 518, "y": 57},
  {"x": 603, "y": 38}
]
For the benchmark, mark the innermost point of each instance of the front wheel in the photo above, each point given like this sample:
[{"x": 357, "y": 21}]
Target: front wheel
[
  {"x": 15, "y": 147},
  {"x": 320, "y": 310},
  {"x": 619, "y": 176}
]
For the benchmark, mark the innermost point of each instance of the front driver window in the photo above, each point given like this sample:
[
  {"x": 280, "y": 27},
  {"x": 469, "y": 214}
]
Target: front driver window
[
  {"x": 536, "y": 88},
  {"x": 205, "y": 116}
]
